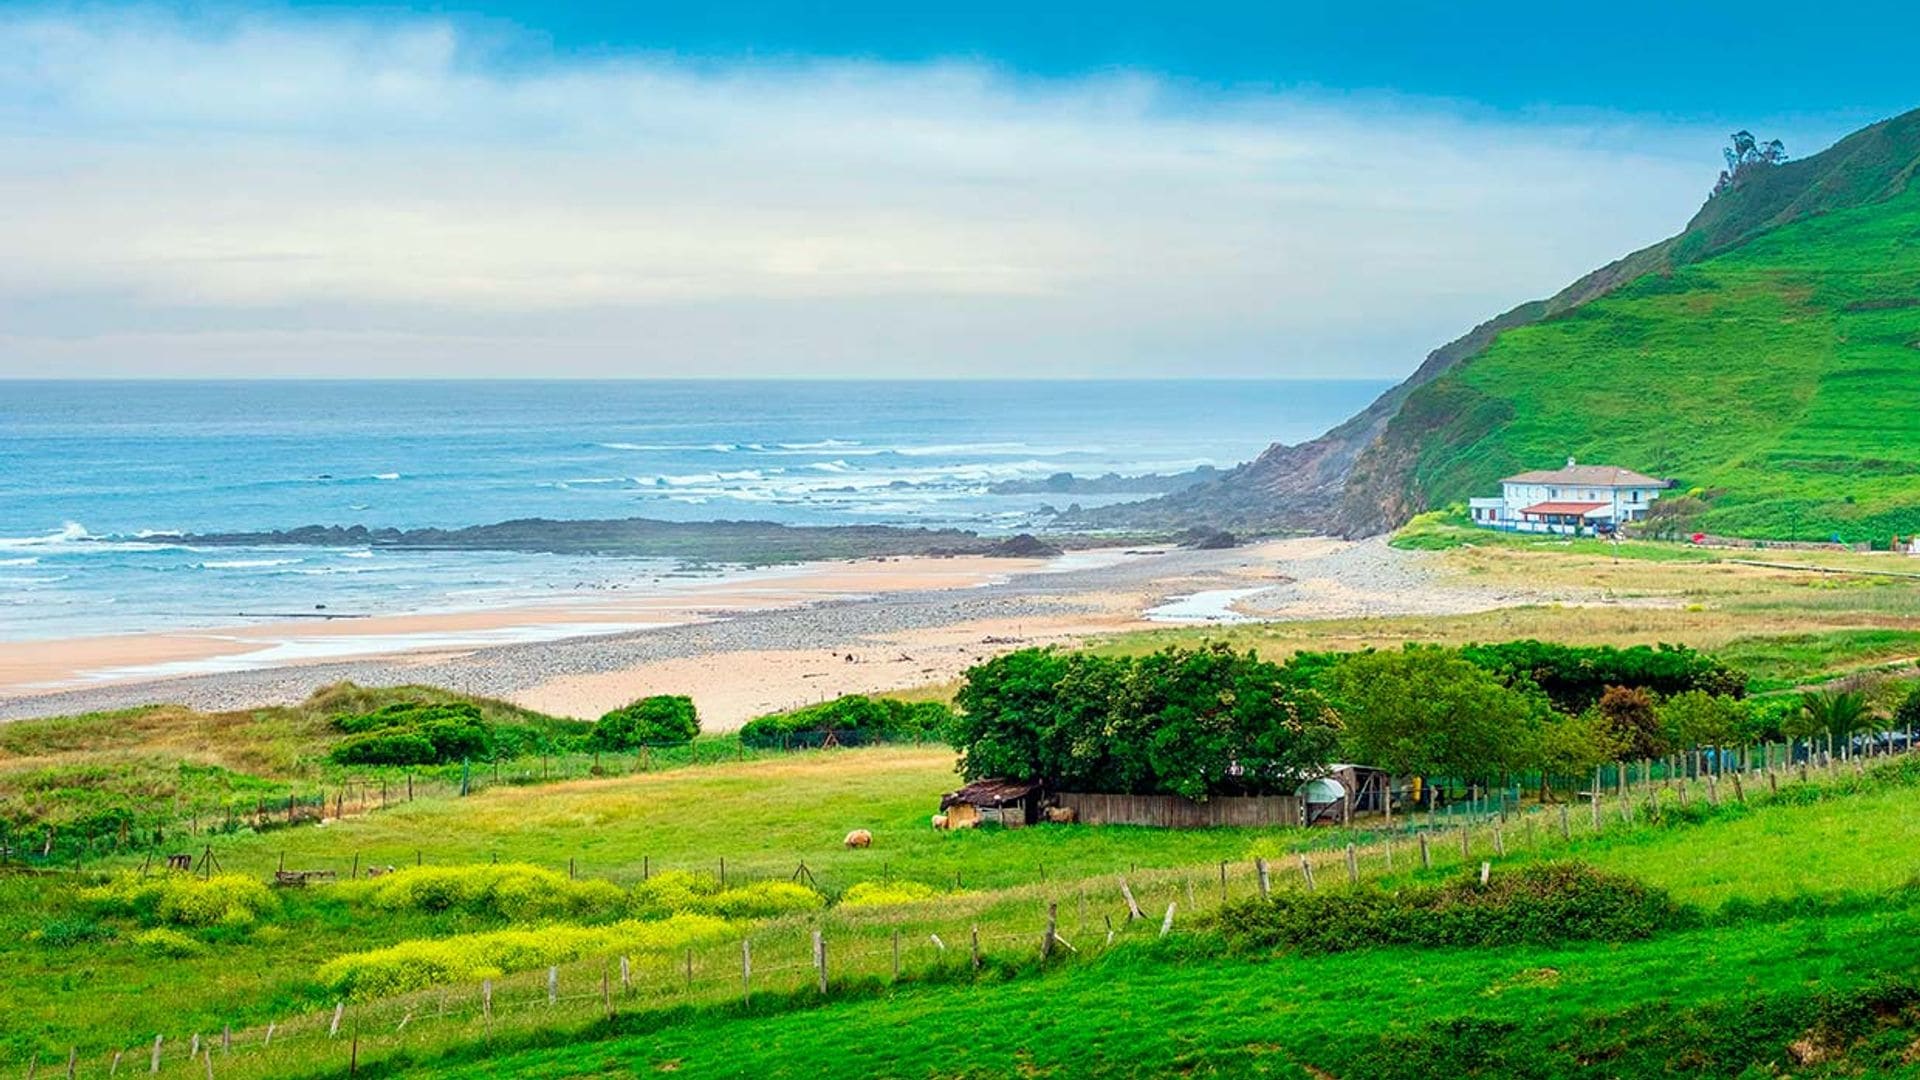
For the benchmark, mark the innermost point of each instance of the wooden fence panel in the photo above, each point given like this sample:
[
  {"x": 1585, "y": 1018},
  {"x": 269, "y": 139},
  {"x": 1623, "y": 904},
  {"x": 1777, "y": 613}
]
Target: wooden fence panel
[{"x": 1174, "y": 812}]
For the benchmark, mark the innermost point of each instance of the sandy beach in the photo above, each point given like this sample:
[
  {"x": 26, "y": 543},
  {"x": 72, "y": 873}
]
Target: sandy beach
[{"x": 746, "y": 646}]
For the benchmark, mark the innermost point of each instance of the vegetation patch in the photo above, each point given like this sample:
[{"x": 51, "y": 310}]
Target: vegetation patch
[
  {"x": 467, "y": 958},
  {"x": 848, "y": 721},
  {"x": 182, "y": 900},
  {"x": 1540, "y": 904},
  {"x": 885, "y": 893},
  {"x": 661, "y": 720},
  {"x": 677, "y": 892},
  {"x": 514, "y": 891}
]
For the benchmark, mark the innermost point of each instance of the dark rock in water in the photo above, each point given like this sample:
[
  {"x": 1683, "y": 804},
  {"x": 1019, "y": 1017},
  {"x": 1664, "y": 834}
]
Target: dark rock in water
[{"x": 1023, "y": 546}]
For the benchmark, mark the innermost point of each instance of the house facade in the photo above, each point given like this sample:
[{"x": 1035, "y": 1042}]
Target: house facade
[{"x": 1578, "y": 500}]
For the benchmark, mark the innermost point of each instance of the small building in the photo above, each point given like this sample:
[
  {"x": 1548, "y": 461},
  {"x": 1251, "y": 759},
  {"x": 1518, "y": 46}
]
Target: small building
[
  {"x": 1324, "y": 800},
  {"x": 1012, "y": 803},
  {"x": 1579, "y": 500}
]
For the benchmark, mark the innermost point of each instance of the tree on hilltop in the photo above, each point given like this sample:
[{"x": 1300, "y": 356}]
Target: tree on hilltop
[{"x": 1745, "y": 155}]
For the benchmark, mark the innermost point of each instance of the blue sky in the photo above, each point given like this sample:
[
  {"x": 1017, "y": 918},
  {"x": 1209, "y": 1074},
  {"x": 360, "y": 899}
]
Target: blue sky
[{"x": 860, "y": 189}]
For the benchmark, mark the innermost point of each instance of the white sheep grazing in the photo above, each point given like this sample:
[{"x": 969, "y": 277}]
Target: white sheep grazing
[
  {"x": 939, "y": 821},
  {"x": 859, "y": 838}
]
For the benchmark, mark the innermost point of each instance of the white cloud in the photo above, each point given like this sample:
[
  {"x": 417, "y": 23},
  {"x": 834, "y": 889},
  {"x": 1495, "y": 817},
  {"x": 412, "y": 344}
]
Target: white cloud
[{"x": 352, "y": 197}]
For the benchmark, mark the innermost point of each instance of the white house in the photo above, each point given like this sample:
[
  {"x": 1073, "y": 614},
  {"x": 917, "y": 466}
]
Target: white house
[{"x": 1577, "y": 500}]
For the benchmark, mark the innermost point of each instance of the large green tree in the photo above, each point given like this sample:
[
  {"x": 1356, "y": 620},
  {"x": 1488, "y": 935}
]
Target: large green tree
[{"x": 1427, "y": 711}]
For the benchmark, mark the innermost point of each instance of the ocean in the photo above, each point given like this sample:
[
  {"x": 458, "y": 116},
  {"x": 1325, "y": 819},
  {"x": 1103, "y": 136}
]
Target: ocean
[{"x": 87, "y": 467}]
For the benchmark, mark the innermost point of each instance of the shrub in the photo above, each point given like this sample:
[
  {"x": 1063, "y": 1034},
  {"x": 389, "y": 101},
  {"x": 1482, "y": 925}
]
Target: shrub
[
  {"x": 468, "y": 958},
  {"x": 884, "y": 893},
  {"x": 222, "y": 900},
  {"x": 765, "y": 900},
  {"x": 854, "y": 718},
  {"x": 662, "y": 720},
  {"x": 514, "y": 891},
  {"x": 677, "y": 892},
  {"x": 167, "y": 942},
  {"x": 1540, "y": 904},
  {"x": 414, "y": 733}
]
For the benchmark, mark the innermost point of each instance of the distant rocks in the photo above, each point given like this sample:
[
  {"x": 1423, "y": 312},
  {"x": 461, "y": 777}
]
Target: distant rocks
[
  {"x": 1066, "y": 483},
  {"x": 1201, "y": 539},
  {"x": 1023, "y": 546}
]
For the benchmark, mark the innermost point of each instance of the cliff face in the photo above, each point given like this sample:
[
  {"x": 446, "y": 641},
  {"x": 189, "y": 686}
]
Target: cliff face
[{"x": 1367, "y": 475}]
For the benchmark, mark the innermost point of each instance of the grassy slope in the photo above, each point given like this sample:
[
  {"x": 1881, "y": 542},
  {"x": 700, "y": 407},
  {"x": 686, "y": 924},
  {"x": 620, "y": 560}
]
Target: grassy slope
[
  {"x": 1150, "y": 1011},
  {"x": 1755, "y": 374}
]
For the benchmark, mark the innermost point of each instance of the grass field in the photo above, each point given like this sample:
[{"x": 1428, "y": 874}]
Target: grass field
[{"x": 1760, "y": 379}]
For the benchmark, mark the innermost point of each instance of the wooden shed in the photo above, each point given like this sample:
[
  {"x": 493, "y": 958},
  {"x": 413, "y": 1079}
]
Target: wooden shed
[
  {"x": 1343, "y": 792},
  {"x": 1012, "y": 803}
]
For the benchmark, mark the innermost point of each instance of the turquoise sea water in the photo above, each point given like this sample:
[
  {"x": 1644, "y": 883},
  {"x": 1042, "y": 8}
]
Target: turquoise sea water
[{"x": 84, "y": 466}]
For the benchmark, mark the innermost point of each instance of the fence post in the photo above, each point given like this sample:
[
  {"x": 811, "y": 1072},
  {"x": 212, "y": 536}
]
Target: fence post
[
  {"x": 154, "y": 1066},
  {"x": 1166, "y": 924},
  {"x": 1260, "y": 869},
  {"x": 553, "y": 984},
  {"x": 1306, "y": 872},
  {"x": 1133, "y": 908},
  {"x": 626, "y": 976},
  {"x": 334, "y": 1028},
  {"x": 1053, "y": 923},
  {"x": 820, "y": 956},
  {"x": 1566, "y": 827},
  {"x": 896, "y": 953},
  {"x": 486, "y": 998},
  {"x": 1353, "y": 865},
  {"x": 746, "y": 972},
  {"x": 976, "y": 944},
  {"x": 1223, "y": 882},
  {"x": 1426, "y": 854},
  {"x": 1486, "y": 871},
  {"x": 1465, "y": 843},
  {"x": 606, "y": 991}
]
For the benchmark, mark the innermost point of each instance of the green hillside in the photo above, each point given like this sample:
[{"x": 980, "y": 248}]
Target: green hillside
[{"x": 1781, "y": 378}]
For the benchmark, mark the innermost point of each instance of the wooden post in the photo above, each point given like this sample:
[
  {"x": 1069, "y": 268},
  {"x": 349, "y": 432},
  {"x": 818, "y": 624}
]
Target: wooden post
[
  {"x": 626, "y": 976},
  {"x": 1353, "y": 865},
  {"x": 1486, "y": 871},
  {"x": 1466, "y": 851},
  {"x": 976, "y": 944},
  {"x": 816, "y": 934},
  {"x": 1426, "y": 853},
  {"x": 896, "y": 952},
  {"x": 1133, "y": 908},
  {"x": 746, "y": 970},
  {"x": 1773, "y": 782},
  {"x": 1306, "y": 872},
  {"x": 1223, "y": 883},
  {"x": 553, "y": 984},
  {"x": 1260, "y": 870},
  {"x": 154, "y": 1067},
  {"x": 1053, "y": 924},
  {"x": 353, "y": 1056},
  {"x": 226, "y": 1039},
  {"x": 1713, "y": 789},
  {"x": 1499, "y": 841},
  {"x": 1166, "y": 924},
  {"x": 1566, "y": 827},
  {"x": 113, "y": 1067},
  {"x": 486, "y": 999},
  {"x": 1739, "y": 792},
  {"x": 268, "y": 1041},
  {"x": 334, "y": 1028},
  {"x": 354, "y": 874}
]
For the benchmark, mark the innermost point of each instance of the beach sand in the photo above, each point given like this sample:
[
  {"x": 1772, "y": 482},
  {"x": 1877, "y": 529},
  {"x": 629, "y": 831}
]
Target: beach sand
[{"x": 746, "y": 646}]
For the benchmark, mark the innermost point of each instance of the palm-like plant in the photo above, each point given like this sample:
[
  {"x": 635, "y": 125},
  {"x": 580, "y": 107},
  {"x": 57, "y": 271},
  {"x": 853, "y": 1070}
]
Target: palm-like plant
[{"x": 1836, "y": 713}]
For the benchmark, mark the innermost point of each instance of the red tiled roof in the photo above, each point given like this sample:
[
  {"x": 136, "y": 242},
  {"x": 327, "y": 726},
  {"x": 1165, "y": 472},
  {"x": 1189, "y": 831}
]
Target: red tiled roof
[{"x": 1562, "y": 507}]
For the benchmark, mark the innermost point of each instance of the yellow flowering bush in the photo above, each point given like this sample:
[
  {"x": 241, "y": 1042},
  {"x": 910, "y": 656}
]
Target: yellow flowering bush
[
  {"x": 516, "y": 891},
  {"x": 182, "y": 900},
  {"x": 468, "y": 958},
  {"x": 882, "y": 893}
]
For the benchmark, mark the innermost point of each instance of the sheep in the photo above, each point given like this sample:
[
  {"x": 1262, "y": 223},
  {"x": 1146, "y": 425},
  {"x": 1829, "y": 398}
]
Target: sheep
[
  {"x": 939, "y": 821},
  {"x": 859, "y": 838},
  {"x": 1061, "y": 815}
]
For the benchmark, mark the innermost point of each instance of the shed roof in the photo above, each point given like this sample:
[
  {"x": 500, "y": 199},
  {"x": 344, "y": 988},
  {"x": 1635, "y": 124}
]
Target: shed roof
[{"x": 990, "y": 793}]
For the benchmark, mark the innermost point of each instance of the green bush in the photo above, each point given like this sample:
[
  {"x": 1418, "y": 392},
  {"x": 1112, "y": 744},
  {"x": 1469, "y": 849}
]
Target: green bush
[
  {"x": 468, "y": 958},
  {"x": 677, "y": 892},
  {"x": 1540, "y": 904},
  {"x": 514, "y": 891},
  {"x": 415, "y": 733},
  {"x": 66, "y": 933},
  {"x": 852, "y": 719},
  {"x": 885, "y": 893},
  {"x": 180, "y": 900},
  {"x": 661, "y": 720}
]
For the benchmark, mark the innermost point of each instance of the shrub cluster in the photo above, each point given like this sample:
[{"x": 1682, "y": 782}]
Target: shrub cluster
[
  {"x": 884, "y": 893},
  {"x": 515, "y": 891},
  {"x": 1194, "y": 723},
  {"x": 1538, "y": 904},
  {"x": 181, "y": 900},
  {"x": 677, "y": 892},
  {"x": 661, "y": 720},
  {"x": 415, "y": 733},
  {"x": 1575, "y": 676},
  {"x": 468, "y": 958},
  {"x": 169, "y": 943},
  {"x": 852, "y": 719}
]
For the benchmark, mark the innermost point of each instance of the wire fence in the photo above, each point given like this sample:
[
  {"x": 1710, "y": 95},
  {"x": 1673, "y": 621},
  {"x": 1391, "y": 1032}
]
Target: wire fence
[{"x": 959, "y": 936}]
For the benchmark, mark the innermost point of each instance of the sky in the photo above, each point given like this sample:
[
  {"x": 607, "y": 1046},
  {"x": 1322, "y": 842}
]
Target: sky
[{"x": 861, "y": 189}]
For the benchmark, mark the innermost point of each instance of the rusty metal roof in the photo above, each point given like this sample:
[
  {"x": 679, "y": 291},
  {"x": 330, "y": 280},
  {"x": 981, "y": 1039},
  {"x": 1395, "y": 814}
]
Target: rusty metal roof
[{"x": 990, "y": 793}]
